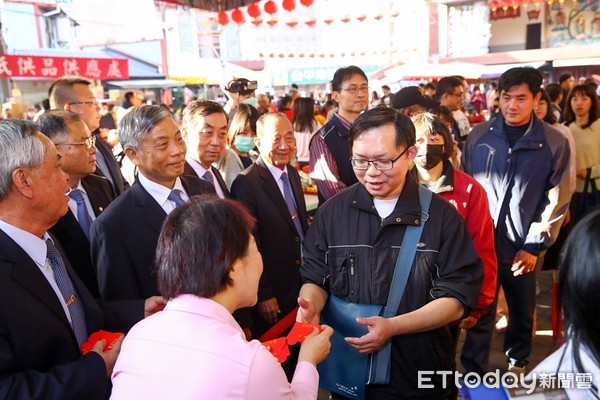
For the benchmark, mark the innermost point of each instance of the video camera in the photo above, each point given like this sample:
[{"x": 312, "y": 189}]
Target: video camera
[{"x": 241, "y": 85}]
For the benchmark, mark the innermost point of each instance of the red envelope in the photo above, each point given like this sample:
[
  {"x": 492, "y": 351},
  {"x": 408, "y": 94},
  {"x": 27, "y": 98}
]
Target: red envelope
[
  {"x": 279, "y": 348},
  {"x": 110, "y": 337},
  {"x": 300, "y": 331}
]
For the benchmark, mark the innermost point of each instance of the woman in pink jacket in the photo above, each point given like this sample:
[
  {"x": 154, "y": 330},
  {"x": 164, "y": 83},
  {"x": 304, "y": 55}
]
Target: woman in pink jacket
[{"x": 207, "y": 266}]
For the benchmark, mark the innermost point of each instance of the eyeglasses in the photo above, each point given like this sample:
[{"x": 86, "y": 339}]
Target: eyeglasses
[
  {"x": 459, "y": 94},
  {"x": 88, "y": 142},
  {"x": 89, "y": 103},
  {"x": 381, "y": 165},
  {"x": 356, "y": 89}
]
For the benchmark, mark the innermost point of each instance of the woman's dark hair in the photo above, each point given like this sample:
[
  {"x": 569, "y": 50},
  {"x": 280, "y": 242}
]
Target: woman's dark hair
[
  {"x": 578, "y": 285},
  {"x": 198, "y": 244},
  {"x": 554, "y": 90},
  {"x": 375, "y": 95},
  {"x": 549, "y": 117},
  {"x": 430, "y": 124},
  {"x": 443, "y": 112},
  {"x": 284, "y": 103},
  {"x": 582, "y": 90},
  {"x": 242, "y": 116},
  {"x": 381, "y": 116},
  {"x": 304, "y": 114}
]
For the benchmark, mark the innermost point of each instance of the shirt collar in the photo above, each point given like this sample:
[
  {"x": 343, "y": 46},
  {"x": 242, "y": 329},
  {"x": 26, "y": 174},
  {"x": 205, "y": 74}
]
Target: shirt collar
[
  {"x": 196, "y": 166},
  {"x": 158, "y": 191},
  {"x": 345, "y": 123},
  {"x": 200, "y": 305},
  {"x": 34, "y": 246},
  {"x": 276, "y": 172}
]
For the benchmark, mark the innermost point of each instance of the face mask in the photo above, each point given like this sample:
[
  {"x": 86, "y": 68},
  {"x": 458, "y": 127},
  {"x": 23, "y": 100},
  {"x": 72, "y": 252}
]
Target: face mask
[
  {"x": 432, "y": 157},
  {"x": 244, "y": 143},
  {"x": 251, "y": 101}
]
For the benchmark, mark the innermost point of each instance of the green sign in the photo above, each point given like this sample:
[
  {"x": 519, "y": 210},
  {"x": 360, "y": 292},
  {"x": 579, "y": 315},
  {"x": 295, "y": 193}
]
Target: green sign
[{"x": 314, "y": 75}]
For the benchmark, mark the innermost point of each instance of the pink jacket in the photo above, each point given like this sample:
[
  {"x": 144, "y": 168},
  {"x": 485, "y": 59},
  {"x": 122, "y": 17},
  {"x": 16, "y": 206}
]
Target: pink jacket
[{"x": 194, "y": 349}]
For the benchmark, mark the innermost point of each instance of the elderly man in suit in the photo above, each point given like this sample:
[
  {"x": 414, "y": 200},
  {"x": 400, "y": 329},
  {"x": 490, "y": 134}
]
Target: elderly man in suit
[
  {"x": 74, "y": 94},
  {"x": 124, "y": 237},
  {"x": 89, "y": 194},
  {"x": 46, "y": 312},
  {"x": 204, "y": 128},
  {"x": 271, "y": 189}
]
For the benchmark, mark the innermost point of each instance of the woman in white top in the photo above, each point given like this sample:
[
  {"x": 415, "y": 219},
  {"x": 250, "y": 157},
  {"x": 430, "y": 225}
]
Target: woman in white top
[
  {"x": 305, "y": 126},
  {"x": 582, "y": 113}
]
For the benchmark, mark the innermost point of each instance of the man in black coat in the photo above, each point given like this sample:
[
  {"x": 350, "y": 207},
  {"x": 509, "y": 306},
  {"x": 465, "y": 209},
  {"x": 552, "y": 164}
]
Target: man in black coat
[
  {"x": 40, "y": 354},
  {"x": 124, "y": 237},
  {"x": 281, "y": 225},
  {"x": 89, "y": 194}
]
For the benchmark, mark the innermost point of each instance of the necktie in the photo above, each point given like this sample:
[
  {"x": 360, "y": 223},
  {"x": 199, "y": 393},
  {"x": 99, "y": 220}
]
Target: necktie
[
  {"x": 208, "y": 177},
  {"x": 68, "y": 292},
  {"x": 83, "y": 217},
  {"x": 175, "y": 197},
  {"x": 291, "y": 204}
]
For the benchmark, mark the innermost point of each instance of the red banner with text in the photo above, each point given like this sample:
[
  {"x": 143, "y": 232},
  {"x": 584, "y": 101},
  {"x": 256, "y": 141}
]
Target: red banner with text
[{"x": 50, "y": 67}]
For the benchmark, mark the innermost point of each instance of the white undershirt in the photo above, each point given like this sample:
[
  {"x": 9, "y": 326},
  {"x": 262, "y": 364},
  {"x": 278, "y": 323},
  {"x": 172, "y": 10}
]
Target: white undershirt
[{"x": 385, "y": 207}]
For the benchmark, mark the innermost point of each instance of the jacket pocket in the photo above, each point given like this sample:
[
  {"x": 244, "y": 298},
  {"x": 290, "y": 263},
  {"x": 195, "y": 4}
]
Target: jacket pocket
[{"x": 342, "y": 272}]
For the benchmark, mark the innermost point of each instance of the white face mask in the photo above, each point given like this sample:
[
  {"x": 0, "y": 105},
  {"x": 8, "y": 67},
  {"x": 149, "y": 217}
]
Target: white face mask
[{"x": 252, "y": 102}]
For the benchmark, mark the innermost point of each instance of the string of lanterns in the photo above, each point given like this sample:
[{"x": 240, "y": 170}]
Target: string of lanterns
[
  {"x": 506, "y": 5},
  {"x": 255, "y": 13},
  {"x": 323, "y": 55}
]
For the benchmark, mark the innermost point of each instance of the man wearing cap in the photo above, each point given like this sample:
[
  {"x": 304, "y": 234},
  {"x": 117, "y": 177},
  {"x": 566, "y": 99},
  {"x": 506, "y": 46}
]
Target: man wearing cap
[{"x": 411, "y": 101}]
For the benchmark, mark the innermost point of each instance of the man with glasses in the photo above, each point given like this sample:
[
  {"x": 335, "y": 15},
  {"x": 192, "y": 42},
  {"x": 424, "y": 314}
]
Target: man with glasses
[
  {"x": 351, "y": 248},
  {"x": 450, "y": 92},
  {"x": 74, "y": 94},
  {"x": 204, "y": 129},
  {"x": 89, "y": 194},
  {"x": 329, "y": 149}
]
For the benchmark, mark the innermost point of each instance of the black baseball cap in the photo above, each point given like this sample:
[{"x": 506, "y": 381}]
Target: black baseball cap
[{"x": 409, "y": 96}]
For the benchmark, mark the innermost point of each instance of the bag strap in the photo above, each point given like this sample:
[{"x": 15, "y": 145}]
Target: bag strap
[
  {"x": 588, "y": 181},
  {"x": 406, "y": 256}
]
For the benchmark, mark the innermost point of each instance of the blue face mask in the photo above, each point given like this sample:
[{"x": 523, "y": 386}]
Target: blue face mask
[
  {"x": 251, "y": 101},
  {"x": 244, "y": 143}
]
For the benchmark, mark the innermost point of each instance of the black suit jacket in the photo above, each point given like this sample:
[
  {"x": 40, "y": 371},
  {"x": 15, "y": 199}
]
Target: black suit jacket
[
  {"x": 278, "y": 241},
  {"x": 120, "y": 184},
  {"x": 189, "y": 171},
  {"x": 70, "y": 235},
  {"x": 124, "y": 238},
  {"x": 39, "y": 354}
]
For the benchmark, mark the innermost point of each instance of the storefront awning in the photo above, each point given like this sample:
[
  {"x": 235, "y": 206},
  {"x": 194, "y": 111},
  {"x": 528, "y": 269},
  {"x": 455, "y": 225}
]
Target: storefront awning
[{"x": 146, "y": 84}]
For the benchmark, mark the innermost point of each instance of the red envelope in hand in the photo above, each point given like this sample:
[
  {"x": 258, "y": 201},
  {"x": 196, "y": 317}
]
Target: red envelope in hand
[
  {"x": 279, "y": 348},
  {"x": 300, "y": 331},
  {"x": 110, "y": 337}
]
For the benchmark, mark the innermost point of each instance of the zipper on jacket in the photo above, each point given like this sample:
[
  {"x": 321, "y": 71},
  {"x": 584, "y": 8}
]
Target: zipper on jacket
[
  {"x": 488, "y": 164},
  {"x": 352, "y": 270}
]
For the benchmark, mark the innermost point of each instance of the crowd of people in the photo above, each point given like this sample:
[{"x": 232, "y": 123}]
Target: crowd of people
[{"x": 192, "y": 237}]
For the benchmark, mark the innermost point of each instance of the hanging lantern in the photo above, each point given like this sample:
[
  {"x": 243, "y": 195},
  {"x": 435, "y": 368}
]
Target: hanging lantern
[
  {"x": 272, "y": 21},
  {"x": 345, "y": 19},
  {"x": 328, "y": 20},
  {"x": 361, "y": 17},
  {"x": 395, "y": 14},
  {"x": 271, "y": 55},
  {"x": 289, "y": 5},
  {"x": 238, "y": 16},
  {"x": 310, "y": 22},
  {"x": 291, "y": 55},
  {"x": 257, "y": 21},
  {"x": 270, "y": 7},
  {"x": 378, "y": 17},
  {"x": 261, "y": 55},
  {"x": 254, "y": 10},
  {"x": 223, "y": 18},
  {"x": 312, "y": 55},
  {"x": 307, "y": 3},
  {"x": 291, "y": 23},
  {"x": 494, "y": 5}
]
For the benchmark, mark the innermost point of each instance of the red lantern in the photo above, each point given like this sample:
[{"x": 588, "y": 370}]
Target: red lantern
[
  {"x": 494, "y": 4},
  {"x": 289, "y": 5},
  {"x": 312, "y": 55},
  {"x": 306, "y": 3},
  {"x": 361, "y": 17},
  {"x": 328, "y": 20},
  {"x": 291, "y": 23},
  {"x": 378, "y": 17},
  {"x": 257, "y": 21},
  {"x": 238, "y": 16},
  {"x": 272, "y": 21},
  {"x": 254, "y": 10},
  {"x": 310, "y": 22},
  {"x": 223, "y": 18},
  {"x": 270, "y": 7},
  {"x": 345, "y": 20},
  {"x": 291, "y": 55}
]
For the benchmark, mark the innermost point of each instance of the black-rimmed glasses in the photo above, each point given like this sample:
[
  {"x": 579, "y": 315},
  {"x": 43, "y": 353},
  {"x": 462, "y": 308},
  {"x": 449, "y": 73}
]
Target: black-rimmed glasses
[{"x": 381, "y": 165}]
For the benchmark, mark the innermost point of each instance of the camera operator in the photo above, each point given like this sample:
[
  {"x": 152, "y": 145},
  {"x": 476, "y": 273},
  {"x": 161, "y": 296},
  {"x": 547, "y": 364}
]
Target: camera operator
[{"x": 241, "y": 90}]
